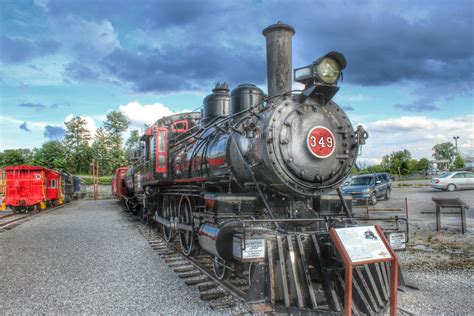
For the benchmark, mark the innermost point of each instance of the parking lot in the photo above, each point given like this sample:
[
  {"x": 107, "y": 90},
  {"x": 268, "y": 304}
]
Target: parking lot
[{"x": 437, "y": 264}]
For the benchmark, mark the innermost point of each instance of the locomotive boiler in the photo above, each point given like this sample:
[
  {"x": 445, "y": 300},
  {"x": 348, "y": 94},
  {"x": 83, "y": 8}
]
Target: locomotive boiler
[{"x": 244, "y": 181}]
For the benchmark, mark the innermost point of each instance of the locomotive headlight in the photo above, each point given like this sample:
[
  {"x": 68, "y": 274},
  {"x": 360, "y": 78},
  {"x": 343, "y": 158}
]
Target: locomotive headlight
[
  {"x": 325, "y": 70},
  {"x": 328, "y": 70}
]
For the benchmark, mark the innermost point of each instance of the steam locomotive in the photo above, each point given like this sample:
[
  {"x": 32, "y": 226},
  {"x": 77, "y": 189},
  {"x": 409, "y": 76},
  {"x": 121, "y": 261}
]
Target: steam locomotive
[{"x": 246, "y": 180}]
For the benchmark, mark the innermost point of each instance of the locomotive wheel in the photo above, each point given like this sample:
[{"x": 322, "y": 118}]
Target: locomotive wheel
[
  {"x": 221, "y": 271},
  {"x": 168, "y": 213},
  {"x": 185, "y": 216}
]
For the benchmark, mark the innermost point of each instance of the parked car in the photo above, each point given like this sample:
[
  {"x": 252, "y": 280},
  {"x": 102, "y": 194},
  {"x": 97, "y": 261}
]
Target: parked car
[
  {"x": 369, "y": 187},
  {"x": 453, "y": 181}
]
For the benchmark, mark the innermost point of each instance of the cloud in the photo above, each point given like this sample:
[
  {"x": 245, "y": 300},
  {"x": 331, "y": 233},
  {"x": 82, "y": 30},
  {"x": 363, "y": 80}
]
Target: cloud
[
  {"x": 24, "y": 127},
  {"x": 18, "y": 50},
  {"x": 418, "y": 106},
  {"x": 144, "y": 114},
  {"x": 54, "y": 132},
  {"x": 348, "y": 108},
  {"x": 76, "y": 71},
  {"x": 41, "y": 107},
  {"x": 418, "y": 134},
  {"x": 37, "y": 106}
]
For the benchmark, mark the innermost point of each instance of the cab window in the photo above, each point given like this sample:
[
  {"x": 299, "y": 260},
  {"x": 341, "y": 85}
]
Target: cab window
[{"x": 161, "y": 148}]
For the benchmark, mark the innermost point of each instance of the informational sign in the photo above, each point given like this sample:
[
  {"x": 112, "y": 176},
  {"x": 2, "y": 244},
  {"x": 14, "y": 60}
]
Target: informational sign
[
  {"x": 397, "y": 241},
  {"x": 254, "y": 249},
  {"x": 363, "y": 243}
]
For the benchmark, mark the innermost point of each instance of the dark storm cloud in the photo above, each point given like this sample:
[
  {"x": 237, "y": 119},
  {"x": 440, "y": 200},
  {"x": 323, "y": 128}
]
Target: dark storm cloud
[
  {"x": 76, "y": 71},
  {"x": 17, "y": 50},
  {"x": 24, "y": 127},
  {"x": 428, "y": 43},
  {"x": 195, "y": 67},
  {"x": 417, "y": 107},
  {"x": 54, "y": 132}
]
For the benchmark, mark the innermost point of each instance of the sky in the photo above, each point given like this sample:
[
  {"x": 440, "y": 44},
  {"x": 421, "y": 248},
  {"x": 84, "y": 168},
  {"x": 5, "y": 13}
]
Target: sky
[{"x": 409, "y": 76}]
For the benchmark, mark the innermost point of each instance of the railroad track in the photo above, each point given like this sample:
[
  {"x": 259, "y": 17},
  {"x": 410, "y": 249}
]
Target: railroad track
[
  {"x": 222, "y": 296},
  {"x": 10, "y": 221}
]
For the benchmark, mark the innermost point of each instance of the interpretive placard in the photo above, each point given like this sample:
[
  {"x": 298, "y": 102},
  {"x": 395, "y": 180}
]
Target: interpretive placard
[
  {"x": 397, "y": 241},
  {"x": 363, "y": 243}
]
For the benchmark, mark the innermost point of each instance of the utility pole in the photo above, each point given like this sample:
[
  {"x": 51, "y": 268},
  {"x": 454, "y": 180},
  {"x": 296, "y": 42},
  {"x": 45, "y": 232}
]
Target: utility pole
[{"x": 456, "y": 142}]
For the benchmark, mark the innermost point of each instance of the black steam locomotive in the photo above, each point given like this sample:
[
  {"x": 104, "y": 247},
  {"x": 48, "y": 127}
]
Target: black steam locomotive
[{"x": 246, "y": 181}]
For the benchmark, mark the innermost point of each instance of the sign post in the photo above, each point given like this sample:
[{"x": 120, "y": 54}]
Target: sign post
[{"x": 364, "y": 245}]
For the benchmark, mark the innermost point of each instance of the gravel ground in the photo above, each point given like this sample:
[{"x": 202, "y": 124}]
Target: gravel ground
[
  {"x": 445, "y": 286},
  {"x": 87, "y": 258}
]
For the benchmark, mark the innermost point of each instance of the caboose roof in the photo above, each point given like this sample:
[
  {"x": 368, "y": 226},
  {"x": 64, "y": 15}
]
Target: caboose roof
[{"x": 28, "y": 167}]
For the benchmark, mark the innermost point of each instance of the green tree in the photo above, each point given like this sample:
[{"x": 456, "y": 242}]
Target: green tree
[
  {"x": 133, "y": 140},
  {"x": 79, "y": 153},
  {"x": 423, "y": 165},
  {"x": 52, "y": 154},
  {"x": 444, "y": 151},
  {"x": 458, "y": 163},
  {"x": 413, "y": 166},
  {"x": 14, "y": 157},
  {"x": 116, "y": 124},
  {"x": 101, "y": 151},
  {"x": 397, "y": 162}
]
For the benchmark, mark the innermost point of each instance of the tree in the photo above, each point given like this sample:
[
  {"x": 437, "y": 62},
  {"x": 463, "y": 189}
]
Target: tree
[
  {"x": 52, "y": 154},
  {"x": 101, "y": 149},
  {"x": 423, "y": 165},
  {"x": 115, "y": 124},
  {"x": 14, "y": 157},
  {"x": 133, "y": 140},
  {"x": 79, "y": 154},
  {"x": 397, "y": 162},
  {"x": 77, "y": 133},
  {"x": 413, "y": 166},
  {"x": 444, "y": 151},
  {"x": 458, "y": 163}
]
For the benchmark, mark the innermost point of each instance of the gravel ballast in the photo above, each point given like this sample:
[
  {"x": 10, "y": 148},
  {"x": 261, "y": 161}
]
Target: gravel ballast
[{"x": 87, "y": 258}]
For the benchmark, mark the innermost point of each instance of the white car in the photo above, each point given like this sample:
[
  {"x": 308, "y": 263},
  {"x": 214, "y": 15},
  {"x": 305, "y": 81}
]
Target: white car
[{"x": 453, "y": 181}]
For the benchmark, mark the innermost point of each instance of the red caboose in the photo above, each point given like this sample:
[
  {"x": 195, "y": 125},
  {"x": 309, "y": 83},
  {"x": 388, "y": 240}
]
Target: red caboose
[
  {"x": 29, "y": 187},
  {"x": 118, "y": 182}
]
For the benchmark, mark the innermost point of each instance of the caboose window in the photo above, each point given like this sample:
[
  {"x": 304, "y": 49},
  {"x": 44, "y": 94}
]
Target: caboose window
[
  {"x": 161, "y": 150},
  {"x": 53, "y": 183}
]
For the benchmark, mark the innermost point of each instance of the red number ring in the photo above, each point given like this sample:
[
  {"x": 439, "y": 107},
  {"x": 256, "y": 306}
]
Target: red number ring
[{"x": 323, "y": 153}]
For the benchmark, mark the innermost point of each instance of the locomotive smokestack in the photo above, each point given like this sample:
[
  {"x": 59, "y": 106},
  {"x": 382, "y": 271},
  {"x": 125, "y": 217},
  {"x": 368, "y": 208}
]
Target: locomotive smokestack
[{"x": 279, "y": 66}]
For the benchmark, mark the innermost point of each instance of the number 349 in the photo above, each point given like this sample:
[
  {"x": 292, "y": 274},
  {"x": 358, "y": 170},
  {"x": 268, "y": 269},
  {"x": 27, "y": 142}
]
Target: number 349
[{"x": 321, "y": 142}]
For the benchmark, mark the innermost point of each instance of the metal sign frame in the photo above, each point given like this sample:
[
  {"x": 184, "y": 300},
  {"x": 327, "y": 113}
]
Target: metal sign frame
[{"x": 349, "y": 265}]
